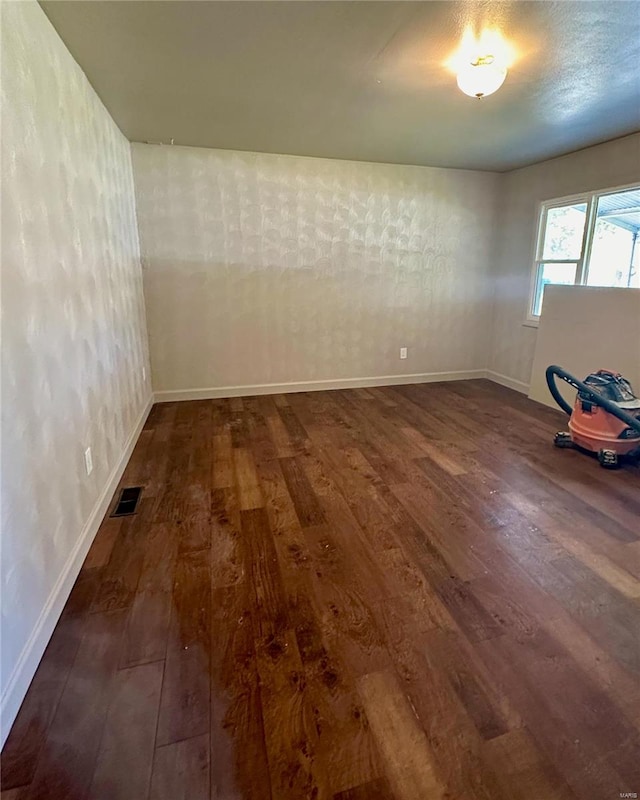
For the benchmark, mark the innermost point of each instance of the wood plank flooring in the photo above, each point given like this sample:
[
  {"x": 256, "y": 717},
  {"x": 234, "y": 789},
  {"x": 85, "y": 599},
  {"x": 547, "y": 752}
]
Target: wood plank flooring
[{"x": 366, "y": 594}]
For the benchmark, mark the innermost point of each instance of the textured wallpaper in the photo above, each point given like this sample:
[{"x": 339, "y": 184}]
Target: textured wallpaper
[
  {"x": 73, "y": 329},
  {"x": 273, "y": 269},
  {"x": 606, "y": 165}
]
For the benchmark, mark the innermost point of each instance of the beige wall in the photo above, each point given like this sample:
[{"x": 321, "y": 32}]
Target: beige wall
[
  {"x": 263, "y": 269},
  {"x": 73, "y": 330},
  {"x": 568, "y": 336},
  {"x": 611, "y": 164}
]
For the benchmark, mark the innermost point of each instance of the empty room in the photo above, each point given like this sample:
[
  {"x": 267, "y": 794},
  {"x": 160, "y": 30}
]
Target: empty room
[{"x": 320, "y": 400}]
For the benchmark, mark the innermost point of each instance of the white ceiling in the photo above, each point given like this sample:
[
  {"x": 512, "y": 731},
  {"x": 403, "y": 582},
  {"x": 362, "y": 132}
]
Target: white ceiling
[{"x": 359, "y": 80}]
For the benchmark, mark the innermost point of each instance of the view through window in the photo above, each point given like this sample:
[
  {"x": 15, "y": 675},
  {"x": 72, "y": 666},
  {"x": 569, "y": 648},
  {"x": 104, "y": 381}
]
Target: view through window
[{"x": 589, "y": 240}]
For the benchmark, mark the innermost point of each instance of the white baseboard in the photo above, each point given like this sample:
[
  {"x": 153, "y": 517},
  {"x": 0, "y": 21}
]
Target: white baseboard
[
  {"x": 29, "y": 659},
  {"x": 505, "y": 380},
  {"x": 315, "y": 386}
]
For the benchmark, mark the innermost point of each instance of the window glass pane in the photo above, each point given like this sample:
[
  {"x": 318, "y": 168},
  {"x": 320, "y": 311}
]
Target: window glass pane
[
  {"x": 563, "y": 232},
  {"x": 614, "y": 259},
  {"x": 552, "y": 273}
]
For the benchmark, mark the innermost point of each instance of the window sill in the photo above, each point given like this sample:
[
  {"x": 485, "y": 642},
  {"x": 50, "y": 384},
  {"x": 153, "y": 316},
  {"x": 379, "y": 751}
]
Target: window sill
[{"x": 531, "y": 323}]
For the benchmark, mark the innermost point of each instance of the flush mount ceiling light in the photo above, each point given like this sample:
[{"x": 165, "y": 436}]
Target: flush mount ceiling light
[
  {"x": 481, "y": 77},
  {"x": 481, "y": 62}
]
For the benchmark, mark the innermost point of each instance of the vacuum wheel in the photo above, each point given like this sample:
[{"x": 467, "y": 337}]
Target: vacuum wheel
[
  {"x": 562, "y": 439},
  {"x": 608, "y": 459}
]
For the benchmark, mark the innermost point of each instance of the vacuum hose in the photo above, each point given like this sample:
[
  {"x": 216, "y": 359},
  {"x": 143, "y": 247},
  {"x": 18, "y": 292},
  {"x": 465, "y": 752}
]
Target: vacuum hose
[{"x": 588, "y": 393}]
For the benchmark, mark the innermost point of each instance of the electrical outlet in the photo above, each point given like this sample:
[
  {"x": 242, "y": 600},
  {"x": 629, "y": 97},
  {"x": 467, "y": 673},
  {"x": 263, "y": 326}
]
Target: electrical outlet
[
  {"x": 144, "y": 374},
  {"x": 88, "y": 461},
  {"x": 403, "y": 352}
]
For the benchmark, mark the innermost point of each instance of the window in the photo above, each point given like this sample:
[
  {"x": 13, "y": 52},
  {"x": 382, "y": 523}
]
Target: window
[{"x": 588, "y": 240}]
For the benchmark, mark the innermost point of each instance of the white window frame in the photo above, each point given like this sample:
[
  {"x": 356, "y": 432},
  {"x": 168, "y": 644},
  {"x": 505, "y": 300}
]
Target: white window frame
[{"x": 591, "y": 199}]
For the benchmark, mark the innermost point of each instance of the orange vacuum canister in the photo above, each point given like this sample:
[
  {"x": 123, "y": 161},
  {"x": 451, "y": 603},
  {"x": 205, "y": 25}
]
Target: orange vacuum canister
[{"x": 605, "y": 418}]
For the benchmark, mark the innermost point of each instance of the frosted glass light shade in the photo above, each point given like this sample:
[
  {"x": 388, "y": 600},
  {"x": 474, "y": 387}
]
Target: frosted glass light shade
[{"x": 481, "y": 78}]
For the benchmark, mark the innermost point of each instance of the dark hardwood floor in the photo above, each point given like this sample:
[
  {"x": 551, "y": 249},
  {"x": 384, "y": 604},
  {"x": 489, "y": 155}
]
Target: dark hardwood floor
[{"x": 399, "y": 593}]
